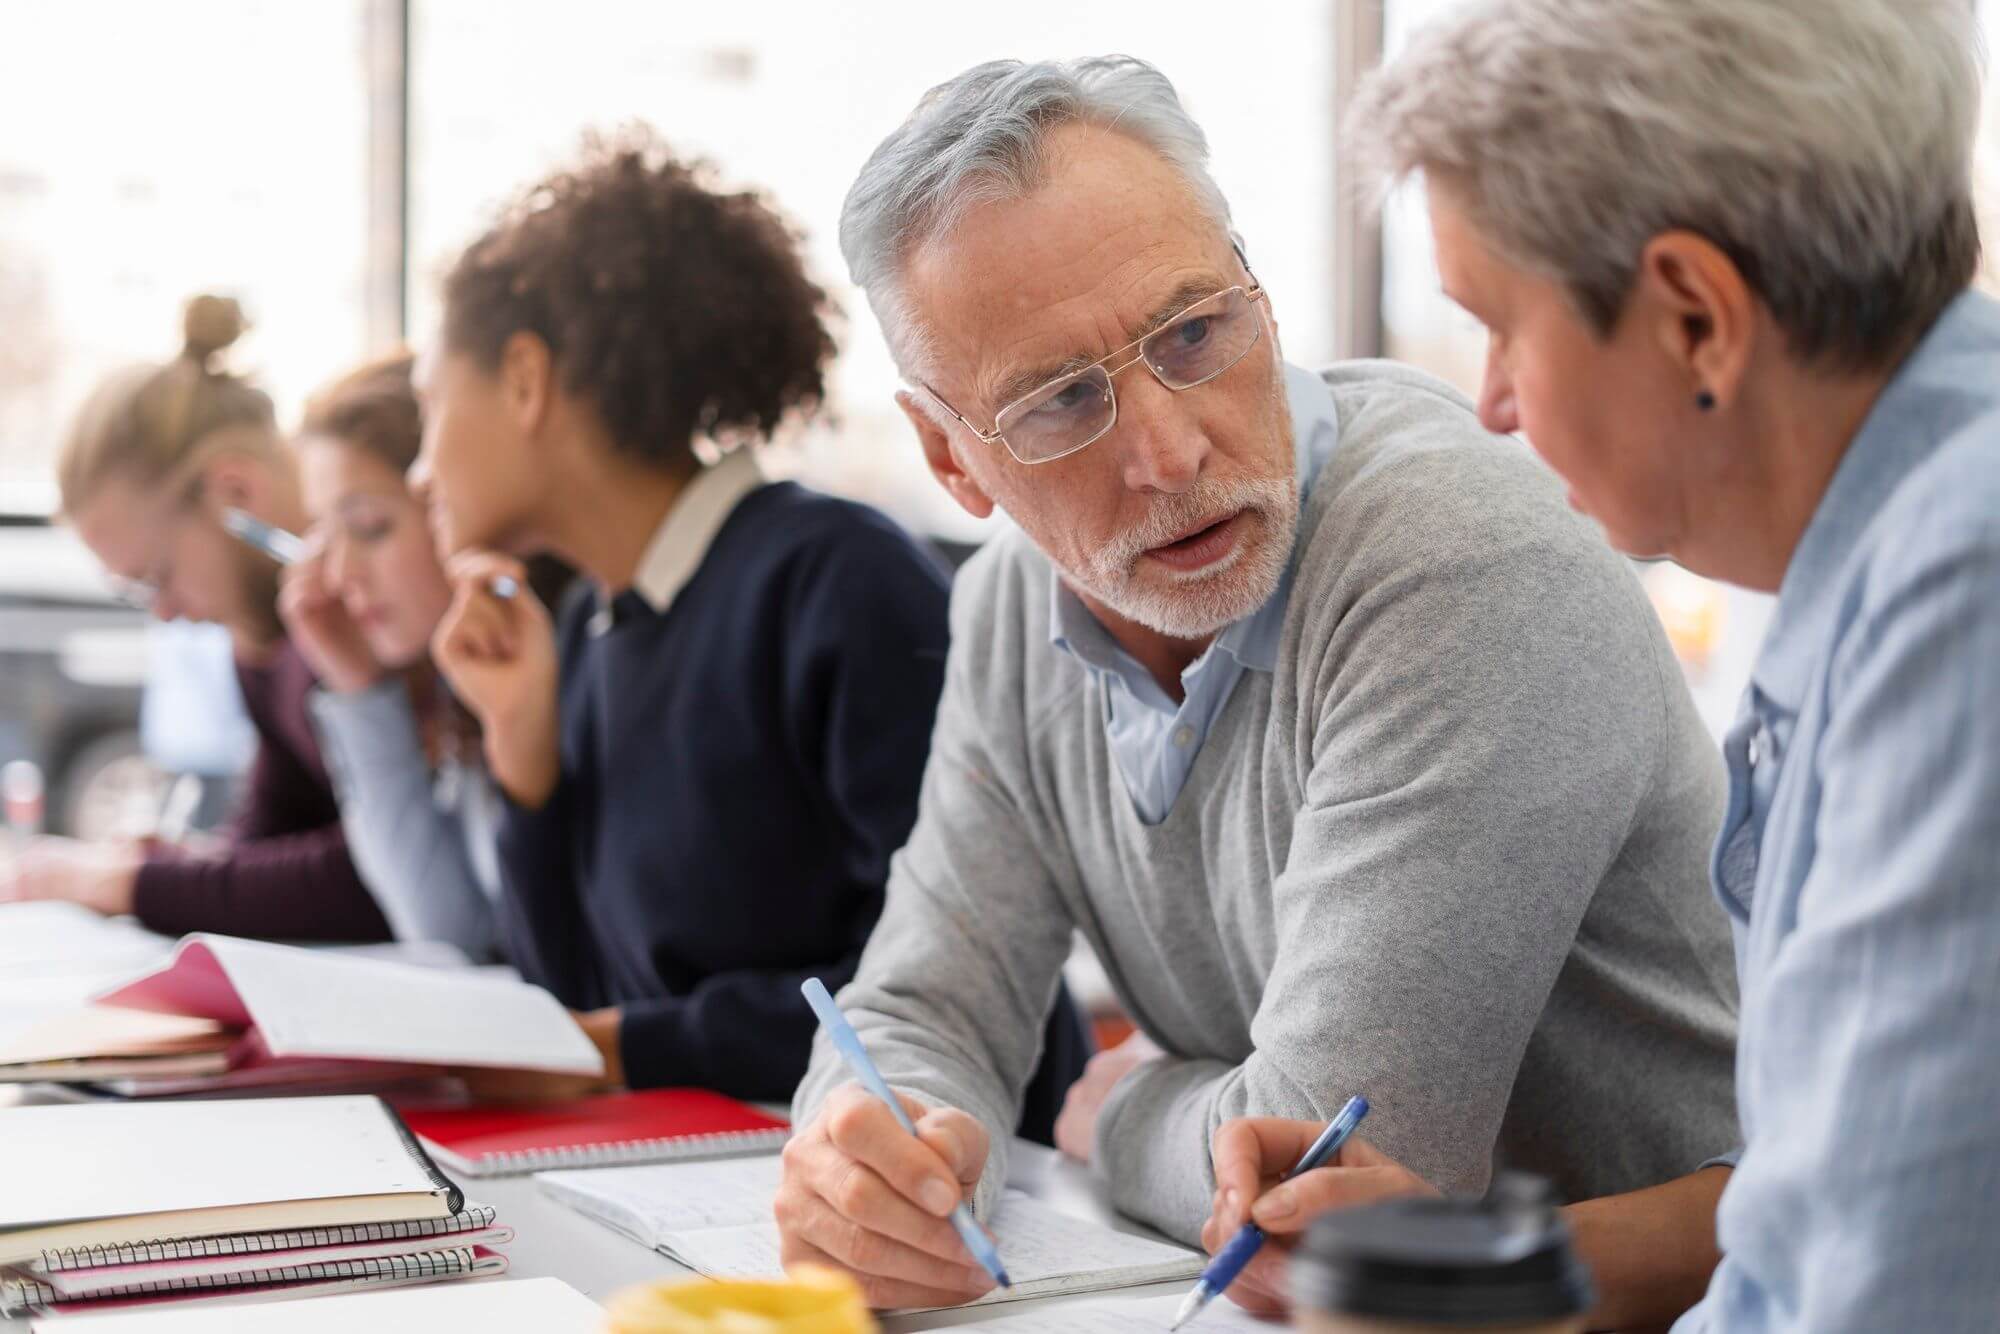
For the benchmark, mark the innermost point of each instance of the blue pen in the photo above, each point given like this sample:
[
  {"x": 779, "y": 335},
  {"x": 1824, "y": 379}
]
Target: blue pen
[
  {"x": 1229, "y": 1261},
  {"x": 848, "y": 1043}
]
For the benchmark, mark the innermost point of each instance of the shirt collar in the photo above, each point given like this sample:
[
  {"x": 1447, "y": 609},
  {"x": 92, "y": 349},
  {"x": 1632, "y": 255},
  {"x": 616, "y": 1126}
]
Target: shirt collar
[
  {"x": 682, "y": 540},
  {"x": 1253, "y": 640},
  {"x": 1937, "y": 386}
]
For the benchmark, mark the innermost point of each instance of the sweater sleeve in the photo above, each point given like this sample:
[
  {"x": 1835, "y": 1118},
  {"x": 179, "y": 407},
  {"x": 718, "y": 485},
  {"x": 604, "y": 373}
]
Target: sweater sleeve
[
  {"x": 299, "y": 886},
  {"x": 540, "y": 912},
  {"x": 286, "y": 873},
  {"x": 864, "y": 650},
  {"x": 1478, "y": 751},
  {"x": 410, "y": 851},
  {"x": 956, "y": 983}
]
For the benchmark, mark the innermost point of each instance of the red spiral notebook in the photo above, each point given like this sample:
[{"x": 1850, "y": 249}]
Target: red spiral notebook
[{"x": 660, "y": 1125}]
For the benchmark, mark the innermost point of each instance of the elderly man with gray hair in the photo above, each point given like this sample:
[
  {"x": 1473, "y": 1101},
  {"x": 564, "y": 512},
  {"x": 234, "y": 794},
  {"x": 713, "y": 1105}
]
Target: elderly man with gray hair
[
  {"x": 1724, "y": 250},
  {"x": 1360, "y": 761}
]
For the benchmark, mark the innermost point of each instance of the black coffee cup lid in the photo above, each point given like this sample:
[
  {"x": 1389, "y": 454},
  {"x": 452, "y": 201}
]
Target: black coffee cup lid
[{"x": 1503, "y": 1259}]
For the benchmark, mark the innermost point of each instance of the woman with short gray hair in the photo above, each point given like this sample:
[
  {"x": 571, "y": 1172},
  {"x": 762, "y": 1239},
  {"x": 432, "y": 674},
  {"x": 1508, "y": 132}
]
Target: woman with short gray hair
[{"x": 1723, "y": 250}]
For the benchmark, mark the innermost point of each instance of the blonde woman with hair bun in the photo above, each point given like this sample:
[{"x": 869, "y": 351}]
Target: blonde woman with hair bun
[{"x": 155, "y": 455}]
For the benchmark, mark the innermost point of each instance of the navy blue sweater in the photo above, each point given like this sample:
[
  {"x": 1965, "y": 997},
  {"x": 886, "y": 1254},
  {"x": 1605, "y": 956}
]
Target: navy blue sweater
[{"x": 736, "y": 773}]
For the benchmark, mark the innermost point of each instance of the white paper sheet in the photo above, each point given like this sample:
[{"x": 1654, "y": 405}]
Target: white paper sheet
[
  {"x": 54, "y": 939},
  {"x": 647, "y": 1203}
]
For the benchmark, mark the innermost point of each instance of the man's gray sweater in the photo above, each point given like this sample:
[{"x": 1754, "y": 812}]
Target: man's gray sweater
[{"x": 1451, "y": 854}]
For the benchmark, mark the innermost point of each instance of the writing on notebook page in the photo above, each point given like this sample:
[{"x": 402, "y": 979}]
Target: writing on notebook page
[
  {"x": 715, "y": 1218},
  {"x": 1044, "y": 1250}
]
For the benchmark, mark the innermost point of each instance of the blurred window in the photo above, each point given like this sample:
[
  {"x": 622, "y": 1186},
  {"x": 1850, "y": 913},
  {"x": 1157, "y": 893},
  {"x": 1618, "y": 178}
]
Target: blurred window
[{"x": 159, "y": 150}]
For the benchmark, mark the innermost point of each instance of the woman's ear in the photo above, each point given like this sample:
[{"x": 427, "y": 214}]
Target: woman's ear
[
  {"x": 1703, "y": 310},
  {"x": 526, "y": 379},
  {"x": 239, "y": 480}
]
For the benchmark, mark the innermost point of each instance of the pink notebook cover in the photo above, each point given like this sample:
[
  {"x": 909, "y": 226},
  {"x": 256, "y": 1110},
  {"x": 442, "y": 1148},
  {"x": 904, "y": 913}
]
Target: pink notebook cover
[{"x": 193, "y": 983}]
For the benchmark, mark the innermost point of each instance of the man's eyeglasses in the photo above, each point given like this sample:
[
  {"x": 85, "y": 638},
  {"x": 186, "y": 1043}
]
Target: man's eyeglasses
[{"x": 1073, "y": 410}]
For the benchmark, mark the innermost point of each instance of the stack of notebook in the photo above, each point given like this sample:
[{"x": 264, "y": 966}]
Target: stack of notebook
[
  {"x": 224, "y": 1015},
  {"x": 109, "y": 1206},
  {"x": 101, "y": 1043}
]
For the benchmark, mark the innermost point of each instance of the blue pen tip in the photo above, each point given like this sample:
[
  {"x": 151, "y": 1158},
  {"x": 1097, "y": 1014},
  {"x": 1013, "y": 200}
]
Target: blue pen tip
[{"x": 1000, "y": 1273}]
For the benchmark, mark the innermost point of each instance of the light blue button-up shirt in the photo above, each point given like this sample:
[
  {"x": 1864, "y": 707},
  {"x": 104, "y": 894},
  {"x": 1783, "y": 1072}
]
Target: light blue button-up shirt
[
  {"x": 1859, "y": 861},
  {"x": 1155, "y": 740}
]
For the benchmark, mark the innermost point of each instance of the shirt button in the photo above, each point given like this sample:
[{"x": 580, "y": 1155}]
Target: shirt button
[{"x": 1183, "y": 735}]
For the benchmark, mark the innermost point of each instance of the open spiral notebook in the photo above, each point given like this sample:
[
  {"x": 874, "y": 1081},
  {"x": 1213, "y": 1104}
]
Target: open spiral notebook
[{"x": 715, "y": 1218}]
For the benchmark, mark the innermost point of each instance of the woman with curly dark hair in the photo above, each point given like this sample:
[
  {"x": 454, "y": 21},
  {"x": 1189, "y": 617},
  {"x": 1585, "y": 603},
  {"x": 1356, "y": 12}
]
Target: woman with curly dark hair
[{"x": 708, "y": 760}]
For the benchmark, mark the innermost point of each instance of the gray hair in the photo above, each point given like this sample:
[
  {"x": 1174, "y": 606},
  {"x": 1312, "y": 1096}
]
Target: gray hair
[
  {"x": 1824, "y": 145},
  {"x": 978, "y": 139}
]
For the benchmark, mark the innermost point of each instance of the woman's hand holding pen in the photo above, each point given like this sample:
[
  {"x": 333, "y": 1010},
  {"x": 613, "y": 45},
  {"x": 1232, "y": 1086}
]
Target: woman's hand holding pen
[
  {"x": 499, "y": 653},
  {"x": 1250, "y": 1156},
  {"x": 326, "y": 636}
]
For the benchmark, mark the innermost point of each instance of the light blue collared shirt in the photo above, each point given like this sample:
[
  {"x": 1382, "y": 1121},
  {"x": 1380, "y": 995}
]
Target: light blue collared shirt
[
  {"x": 1155, "y": 740},
  {"x": 1859, "y": 862}
]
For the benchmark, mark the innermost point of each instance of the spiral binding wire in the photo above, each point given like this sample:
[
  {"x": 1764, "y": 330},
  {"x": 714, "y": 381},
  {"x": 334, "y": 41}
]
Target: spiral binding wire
[
  {"x": 250, "y": 1243},
  {"x": 31, "y": 1295},
  {"x": 719, "y": 1144}
]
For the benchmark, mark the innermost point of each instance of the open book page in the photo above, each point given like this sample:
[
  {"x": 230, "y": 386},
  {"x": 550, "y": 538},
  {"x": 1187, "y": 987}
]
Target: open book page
[
  {"x": 1127, "y": 1315},
  {"x": 649, "y": 1203},
  {"x": 308, "y": 1003},
  {"x": 1046, "y": 1252}
]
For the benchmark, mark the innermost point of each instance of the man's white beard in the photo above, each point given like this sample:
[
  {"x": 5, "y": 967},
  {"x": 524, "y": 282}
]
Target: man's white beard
[{"x": 1198, "y": 603}]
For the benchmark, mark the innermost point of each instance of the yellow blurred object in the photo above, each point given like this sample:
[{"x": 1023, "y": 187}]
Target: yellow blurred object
[
  {"x": 1691, "y": 608},
  {"x": 810, "y": 1301}
]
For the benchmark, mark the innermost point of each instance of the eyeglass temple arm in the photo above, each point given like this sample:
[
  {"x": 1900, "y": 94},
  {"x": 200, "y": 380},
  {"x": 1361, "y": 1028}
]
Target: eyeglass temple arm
[
  {"x": 1235, "y": 244},
  {"x": 937, "y": 398}
]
